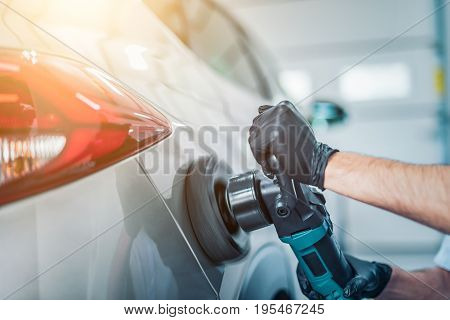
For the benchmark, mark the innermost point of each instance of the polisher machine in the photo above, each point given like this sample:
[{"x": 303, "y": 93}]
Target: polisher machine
[{"x": 224, "y": 208}]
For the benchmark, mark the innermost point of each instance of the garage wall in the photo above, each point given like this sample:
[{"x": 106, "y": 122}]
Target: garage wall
[{"x": 381, "y": 59}]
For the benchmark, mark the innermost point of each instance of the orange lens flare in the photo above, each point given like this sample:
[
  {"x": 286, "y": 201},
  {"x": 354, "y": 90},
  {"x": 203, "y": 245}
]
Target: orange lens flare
[{"x": 8, "y": 98}]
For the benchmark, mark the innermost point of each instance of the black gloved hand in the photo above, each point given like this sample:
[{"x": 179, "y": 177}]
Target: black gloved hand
[
  {"x": 369, "y": 280},
  {"x": 282, "y": 131}
]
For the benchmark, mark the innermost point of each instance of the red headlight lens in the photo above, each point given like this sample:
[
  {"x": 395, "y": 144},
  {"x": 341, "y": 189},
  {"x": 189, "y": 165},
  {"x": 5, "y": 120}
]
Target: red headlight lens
[{"x": 61, "y": 120}]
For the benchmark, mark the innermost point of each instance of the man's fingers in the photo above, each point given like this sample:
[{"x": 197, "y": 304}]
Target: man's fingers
[
  {"x": 264, "y": 108},
  {"x": 305, "y": 285},
  {"x": 261, "y": 149},
  {"x": 260, "y": 142},
  {"x": 303, "y": 281},
  {"x": 264, "y": 138},
  {"x": 355, "y": 287},
  {"x": 355, "y": 262},
  {"x": 266, "y": 169}
]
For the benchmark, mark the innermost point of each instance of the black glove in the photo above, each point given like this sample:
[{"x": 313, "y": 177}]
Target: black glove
[
  {"x": 370, "y": 279},
  {"x": 282, "y": 131},
  {"x": 305, "y": 286}
]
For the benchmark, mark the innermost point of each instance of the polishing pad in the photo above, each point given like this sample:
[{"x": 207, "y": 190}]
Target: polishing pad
[{"x": 215, "y": 227}]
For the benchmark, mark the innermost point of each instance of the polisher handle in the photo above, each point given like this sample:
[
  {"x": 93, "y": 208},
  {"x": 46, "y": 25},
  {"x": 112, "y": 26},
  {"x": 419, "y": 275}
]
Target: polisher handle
[
  {"x": 321, "y": 260},
  {"x": 288, "y": 197},
  {"x": 318, "y": 254}
]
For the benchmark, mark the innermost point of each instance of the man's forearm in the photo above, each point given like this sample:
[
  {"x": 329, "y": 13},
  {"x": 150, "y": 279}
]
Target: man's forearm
[
  {"x": 418, "y": 192},
  {"x": 429, "y": 284}
]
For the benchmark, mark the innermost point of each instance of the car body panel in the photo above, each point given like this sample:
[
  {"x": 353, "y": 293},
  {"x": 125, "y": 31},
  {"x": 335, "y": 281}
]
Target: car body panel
[{"x": 91, "y": 238}]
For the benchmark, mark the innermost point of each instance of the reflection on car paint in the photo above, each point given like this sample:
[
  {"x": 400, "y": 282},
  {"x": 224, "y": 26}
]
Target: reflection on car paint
[{"x": 150, "y": 277}]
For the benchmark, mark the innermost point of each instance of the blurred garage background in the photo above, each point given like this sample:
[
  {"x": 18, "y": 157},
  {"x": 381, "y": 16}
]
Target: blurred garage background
[{"x": 384, "y": 61}]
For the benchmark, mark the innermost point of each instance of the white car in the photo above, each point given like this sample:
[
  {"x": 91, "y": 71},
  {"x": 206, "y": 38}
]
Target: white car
[{"x": 94, "y": 98}]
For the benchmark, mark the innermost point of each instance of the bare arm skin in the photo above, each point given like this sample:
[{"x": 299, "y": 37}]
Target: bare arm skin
[
  {"x": 428, "y": 284},
  {"x": 417, "y": 192}
]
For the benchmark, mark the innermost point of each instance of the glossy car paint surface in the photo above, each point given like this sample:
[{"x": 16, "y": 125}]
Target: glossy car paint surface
[{"x": 124, "y": 232}]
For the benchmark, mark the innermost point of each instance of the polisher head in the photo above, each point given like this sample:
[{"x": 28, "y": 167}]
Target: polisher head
[{"x": 214, "y": 225}]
